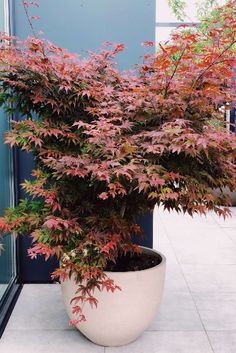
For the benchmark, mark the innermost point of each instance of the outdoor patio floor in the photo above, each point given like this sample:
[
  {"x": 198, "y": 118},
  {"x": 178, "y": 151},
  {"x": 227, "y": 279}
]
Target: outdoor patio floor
[{"x": 198, "y": 312}]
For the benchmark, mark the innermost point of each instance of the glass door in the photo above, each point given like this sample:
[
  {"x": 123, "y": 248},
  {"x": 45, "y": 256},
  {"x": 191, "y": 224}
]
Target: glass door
[{"x": 8, "y": 255}]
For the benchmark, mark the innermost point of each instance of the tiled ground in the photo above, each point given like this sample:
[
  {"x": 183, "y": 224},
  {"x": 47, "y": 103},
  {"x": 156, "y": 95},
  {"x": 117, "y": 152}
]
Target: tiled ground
[{"x": 198, "y": 313}]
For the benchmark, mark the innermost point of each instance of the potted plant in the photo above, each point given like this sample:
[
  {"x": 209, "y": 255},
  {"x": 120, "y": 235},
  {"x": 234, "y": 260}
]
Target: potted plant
[{"x": 108, "y": 147}]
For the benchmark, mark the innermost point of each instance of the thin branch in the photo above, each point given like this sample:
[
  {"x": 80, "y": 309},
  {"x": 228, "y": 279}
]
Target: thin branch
[
  {"x": 174, "y": 71},
  {"x": 24, "y": 4},
  {"x": 215, "y": 62}
]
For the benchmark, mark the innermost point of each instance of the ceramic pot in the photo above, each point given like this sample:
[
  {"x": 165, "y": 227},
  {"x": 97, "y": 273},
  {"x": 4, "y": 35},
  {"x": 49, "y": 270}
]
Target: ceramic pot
[{"x": 122, "y": 316}]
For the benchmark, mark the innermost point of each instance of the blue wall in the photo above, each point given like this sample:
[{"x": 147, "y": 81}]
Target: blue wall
[{"x": 81, "y": 25}]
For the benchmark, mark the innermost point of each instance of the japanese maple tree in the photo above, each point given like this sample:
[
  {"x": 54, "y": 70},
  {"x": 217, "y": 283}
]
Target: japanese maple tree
[{"x": 109, "y": 146}]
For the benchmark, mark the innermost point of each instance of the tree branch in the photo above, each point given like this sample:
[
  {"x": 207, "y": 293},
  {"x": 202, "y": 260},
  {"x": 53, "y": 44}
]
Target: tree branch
[
  {"x": 173, "y": 73},
  {"x": 215, "y": 62},
  {"x": 25, "y": 6}
]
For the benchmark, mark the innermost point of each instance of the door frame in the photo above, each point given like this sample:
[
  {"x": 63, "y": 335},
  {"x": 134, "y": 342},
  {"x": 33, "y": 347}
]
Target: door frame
[{"x": 9, "y": 298}]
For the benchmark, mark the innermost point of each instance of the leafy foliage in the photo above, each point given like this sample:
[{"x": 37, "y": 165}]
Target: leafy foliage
[
  {"x": 109, "y": 146},
  {"x": 204, "y": 8},
  {"x": 178, "y": 7}
]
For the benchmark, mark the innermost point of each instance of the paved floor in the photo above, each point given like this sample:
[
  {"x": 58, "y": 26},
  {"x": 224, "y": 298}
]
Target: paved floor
[{"x": 198, "y": 313}]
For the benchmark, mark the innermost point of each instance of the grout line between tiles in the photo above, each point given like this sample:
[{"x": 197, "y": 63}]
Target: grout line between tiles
[
  {"x": 223, "y": 229},
  {"x": 152, "y": 330},
  {"x": 223, "y": 331},
  {"x": 195, "y": 305},
  {"x": 165, "y": 234},
  {"x": 39, "y": 329}
]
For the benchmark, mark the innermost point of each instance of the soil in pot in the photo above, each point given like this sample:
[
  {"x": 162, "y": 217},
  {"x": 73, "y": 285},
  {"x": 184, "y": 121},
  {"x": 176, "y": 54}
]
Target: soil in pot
[{"x": 135, "y": 262}]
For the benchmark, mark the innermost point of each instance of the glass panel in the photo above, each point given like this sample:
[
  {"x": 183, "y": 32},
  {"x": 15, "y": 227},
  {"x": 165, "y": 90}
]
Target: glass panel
[
  {"x": 165, "y": 14},
  {"x": 7, "y": 257},
  {"x": 163, "y": 34}
]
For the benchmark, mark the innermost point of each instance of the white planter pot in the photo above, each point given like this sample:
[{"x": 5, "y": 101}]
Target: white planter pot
[{"x": 123, "y": 315}]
